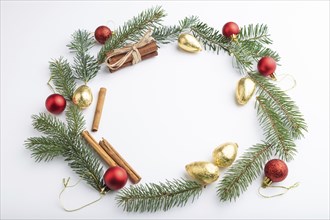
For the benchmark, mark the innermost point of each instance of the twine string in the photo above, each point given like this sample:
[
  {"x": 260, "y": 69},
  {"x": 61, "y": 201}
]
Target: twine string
[
  {"x": 294, "y": 82},
  {"x": 131, "y": 49},
  {"x": 280, "y": 194},
  {"x": 66, "y": 185}
]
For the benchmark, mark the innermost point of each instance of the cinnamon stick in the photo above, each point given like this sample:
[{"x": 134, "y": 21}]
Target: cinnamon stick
[
  {"x": 130, "y": 63},
  {"x": 99, "y": 150},
  {"x": 147, "y": 49},
  {"x": 134, "y": 177},
  {"x": 99, "y": 108}
]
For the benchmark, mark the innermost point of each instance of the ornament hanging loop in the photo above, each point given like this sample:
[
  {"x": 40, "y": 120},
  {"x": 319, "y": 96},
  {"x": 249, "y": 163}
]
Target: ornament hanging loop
[
  {"x": 66, "y": 185},
  {"x": 294, "y": 83},
  {"x": 280, "y": 194},
  {"x": 50, "y": 86}
]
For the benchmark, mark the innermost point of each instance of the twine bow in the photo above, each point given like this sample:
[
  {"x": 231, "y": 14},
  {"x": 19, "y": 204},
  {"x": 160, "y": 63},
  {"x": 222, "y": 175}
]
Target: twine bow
[{"x": 131, "y": 49}]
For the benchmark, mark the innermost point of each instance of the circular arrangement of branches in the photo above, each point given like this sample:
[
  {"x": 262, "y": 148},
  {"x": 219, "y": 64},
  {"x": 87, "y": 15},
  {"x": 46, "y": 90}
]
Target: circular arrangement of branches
[{"x": 277, "y": 113}]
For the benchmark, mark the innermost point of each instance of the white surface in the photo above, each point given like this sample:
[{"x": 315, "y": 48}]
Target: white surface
[{"x": 165, "y": 112}]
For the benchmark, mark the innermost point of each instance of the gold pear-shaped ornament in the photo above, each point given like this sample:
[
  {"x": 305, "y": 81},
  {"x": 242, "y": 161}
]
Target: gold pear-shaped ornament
[
  {"x": 225, "y": 154},
  {"x": 82, "y": 97},
  {"x": 203, "y": 172},
  {"x": 189, "y": 43},
  {"x": 245, "y": 90}
]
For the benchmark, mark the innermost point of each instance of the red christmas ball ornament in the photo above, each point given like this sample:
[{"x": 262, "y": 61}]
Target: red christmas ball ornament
[
  {"x": 230, "y": 29},
  {"x": 55, "y": 103},
  {"x": 102, "y": 33},
  {"x": 267, "y": 66},
  {"x": 115, "y": 178},
  {"x": 275, "y": 171}
]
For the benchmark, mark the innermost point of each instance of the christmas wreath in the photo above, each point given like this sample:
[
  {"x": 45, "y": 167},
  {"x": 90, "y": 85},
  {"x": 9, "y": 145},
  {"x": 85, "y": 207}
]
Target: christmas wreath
[{"x": 137, "y": 40}]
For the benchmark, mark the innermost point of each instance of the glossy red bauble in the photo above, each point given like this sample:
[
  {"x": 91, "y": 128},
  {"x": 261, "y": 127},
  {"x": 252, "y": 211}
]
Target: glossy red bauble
[
  {"x": 102, "y": 33},
  {"x": 276, "y": 170},
  {"x": 266, "y": 66},
  {"x": 230, "y": 29},
  {"x": 55, "y": 103},
  {"x": 115, "y": 178}
]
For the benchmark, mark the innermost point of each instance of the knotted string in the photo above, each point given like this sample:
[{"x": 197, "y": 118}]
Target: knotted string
[
  {"x": 283, "y": 187},
  {"x": 131, "y": 49},
  {"x": 66, "y": 185}
]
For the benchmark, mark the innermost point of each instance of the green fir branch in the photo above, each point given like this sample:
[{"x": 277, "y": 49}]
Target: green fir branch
[
  {"x": 85, "y": 66},
  {"x": 282, "y": 104},
  {"x": 168, "y": 34},
  {"x": 254, "y": 33},
  {"x": 274, "y": 130},
  {"x": 152, "y": 197},
  {"x": 62, "y": 77},
  {"x": 211, "y": 38},
  {"x": 132, "y": 30},
  {"x": 241, "y": 174},
  {"x": 62, "y": 140},
  {"x": 44, "y": 148}
]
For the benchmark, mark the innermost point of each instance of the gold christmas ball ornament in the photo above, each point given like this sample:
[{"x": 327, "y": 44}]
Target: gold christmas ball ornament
[
  {"x": 225, "y": 154},
  {"x": 82, "y": 97},
  {"x": 189, "y": 43},
  {"x": 244, "y": 91},
  {"x": 203, "y": 172}
]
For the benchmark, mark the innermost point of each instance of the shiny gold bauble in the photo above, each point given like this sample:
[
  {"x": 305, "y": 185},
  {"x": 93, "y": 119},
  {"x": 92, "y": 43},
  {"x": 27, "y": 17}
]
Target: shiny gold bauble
[
  {"x": 82, "y": 97},
  {"x": 203, "y": 172},
  {"x": 244, "y": 91},
  {"x": 189, "y": 43},
  {"x": 225, "y": 154}
]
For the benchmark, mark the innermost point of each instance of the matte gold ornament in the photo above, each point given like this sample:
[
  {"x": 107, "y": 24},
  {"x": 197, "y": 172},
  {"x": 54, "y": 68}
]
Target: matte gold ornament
[
  {"x": 189, "y": 43},
  {"x": 244, "y": 91},
  {"x": 82, "y": 97},
  {"x": 203, "y": 172},
  {"x": 225, "y": 154}
]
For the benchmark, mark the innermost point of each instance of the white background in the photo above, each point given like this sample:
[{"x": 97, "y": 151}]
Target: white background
[{"x": 165, "y": 112}]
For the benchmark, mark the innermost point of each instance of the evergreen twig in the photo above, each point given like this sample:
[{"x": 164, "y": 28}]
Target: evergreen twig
[
  {"x": 274, "y": 130},
  {"x": 241, "y": 174},
  {"x": 85, "y": 66},
  {"x": 64, "y": 140},
  {"x": 153, "y": 197},
  {"x": 168, "y": 34},
  {"x": 62, "y": 77},
  {"x": 132, "y": 30},
  {"x": 287, "y": 111}
]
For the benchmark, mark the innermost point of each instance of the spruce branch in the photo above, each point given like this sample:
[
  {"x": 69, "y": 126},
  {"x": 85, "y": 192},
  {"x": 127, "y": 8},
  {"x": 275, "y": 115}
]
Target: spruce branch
[
  {"x": 168, "y": 34},
  {"x": 132, "y": 30},
  {"x": 62, "y": 140},
  {"x": 211, "y": 38},
  {"x": 281, "y": 103},
  {"x": 254, "y": 33},
  {"x": 152, "y": 197},
  {"x": 85, "y": 66},
  {"x": 62, "y": 77},
  {"x": 248, "y": 48},
  {"x": 274, "y": 130},
  {"x": 44, "y": 148},
  {"x": 241, "y": 174}
]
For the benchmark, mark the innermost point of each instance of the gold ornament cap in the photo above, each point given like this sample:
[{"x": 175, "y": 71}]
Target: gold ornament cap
[
  {"x": 225, "y": 154},
  {"x": 266, "y": 182},
  {"x": 189, "y": 43},
  {"x": 203, "y": 172},
  {"x": 82, "y": 97},
  {"x": 245, "y": 90}
]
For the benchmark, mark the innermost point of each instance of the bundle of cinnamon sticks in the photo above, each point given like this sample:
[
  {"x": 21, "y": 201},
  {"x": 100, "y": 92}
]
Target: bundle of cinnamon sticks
[
  {"x": 110, "y": 156},
  {"x": 147, "y": 51}
]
